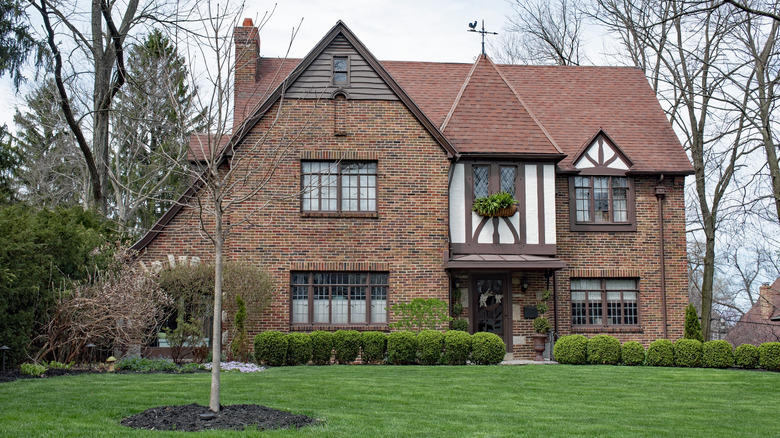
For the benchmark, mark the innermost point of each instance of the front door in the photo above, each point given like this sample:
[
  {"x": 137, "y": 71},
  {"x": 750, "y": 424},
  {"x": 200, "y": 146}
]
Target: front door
[{"x": 493, "y": 303}]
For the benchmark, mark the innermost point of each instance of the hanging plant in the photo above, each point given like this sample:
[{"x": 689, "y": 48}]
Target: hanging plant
[{"x": 500, "y": 204}]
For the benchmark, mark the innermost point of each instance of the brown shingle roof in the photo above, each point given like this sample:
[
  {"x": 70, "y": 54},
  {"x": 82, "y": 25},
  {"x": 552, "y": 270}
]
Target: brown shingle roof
[{"x": 760, "y": 323}]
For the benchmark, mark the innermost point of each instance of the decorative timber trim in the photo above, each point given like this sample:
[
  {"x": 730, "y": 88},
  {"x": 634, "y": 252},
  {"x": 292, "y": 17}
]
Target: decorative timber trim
[{"x": 340, "y": 155}]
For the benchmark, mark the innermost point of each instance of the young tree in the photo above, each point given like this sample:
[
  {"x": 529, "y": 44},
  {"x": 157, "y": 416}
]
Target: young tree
[{"x": 692, "y": 325}]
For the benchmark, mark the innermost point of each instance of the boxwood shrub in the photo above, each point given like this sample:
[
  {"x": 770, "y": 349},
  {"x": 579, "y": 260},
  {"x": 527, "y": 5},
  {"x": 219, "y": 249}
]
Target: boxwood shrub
[
  {"x": 374, "y": 346},
  {"x": 271, "y": 348},
  {"x": 687, "y": 353},
  {"x": 746, "y": 356},
  {"x": 457, "y": 347},
  {"x": 346, "y": 344},
  {"x": 460, "y": 324},
  {"x": 660, "y": 353},
  {"x": 487, "y": 348},
  {"x": 718, "y": 354},
  {"x": 571, "y": 349},
  {"x": 632, "y": 353},
  {"x": 430, "y": 344},
  {"x": 321, "y": 347},
  {"x": 401, "y": 348},
  {"x": 603, "y": 350},
  {"x": 769, "y": 356},
  {"x": 298, "y": 349}
]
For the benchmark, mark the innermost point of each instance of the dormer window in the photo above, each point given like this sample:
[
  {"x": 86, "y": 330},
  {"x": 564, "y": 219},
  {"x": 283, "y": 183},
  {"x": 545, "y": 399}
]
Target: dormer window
[{"x": 340, "y": 70}]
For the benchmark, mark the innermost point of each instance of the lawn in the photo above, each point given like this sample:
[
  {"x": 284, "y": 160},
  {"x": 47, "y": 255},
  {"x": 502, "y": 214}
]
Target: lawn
[{"x": 372, "y": 401}]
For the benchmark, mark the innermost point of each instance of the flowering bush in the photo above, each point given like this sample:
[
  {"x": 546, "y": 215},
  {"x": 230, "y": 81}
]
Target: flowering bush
[{"x": 240, "y": 367}]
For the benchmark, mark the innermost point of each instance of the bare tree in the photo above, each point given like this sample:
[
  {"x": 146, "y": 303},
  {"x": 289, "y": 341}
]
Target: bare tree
[{"x": 543, "y": 32}]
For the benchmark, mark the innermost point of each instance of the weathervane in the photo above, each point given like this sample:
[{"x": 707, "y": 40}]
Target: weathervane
[{"x": 473, "y": 28}]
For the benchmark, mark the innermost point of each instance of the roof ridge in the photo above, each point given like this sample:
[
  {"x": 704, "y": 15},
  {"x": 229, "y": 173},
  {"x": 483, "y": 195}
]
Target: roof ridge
[{"x": 525, "y": 107}]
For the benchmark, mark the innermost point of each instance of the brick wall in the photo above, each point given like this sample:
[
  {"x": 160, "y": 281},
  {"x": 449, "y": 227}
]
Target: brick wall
[{"x": 407, "y": 237}]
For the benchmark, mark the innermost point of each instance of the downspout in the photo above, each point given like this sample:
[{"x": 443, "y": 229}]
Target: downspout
[
  {"x": 660, "y": 193},
  {"x": 555, "y": 312}
]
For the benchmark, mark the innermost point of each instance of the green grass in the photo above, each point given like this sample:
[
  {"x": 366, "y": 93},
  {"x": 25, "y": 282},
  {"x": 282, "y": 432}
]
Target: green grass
[{"x": 372, "y": 401}]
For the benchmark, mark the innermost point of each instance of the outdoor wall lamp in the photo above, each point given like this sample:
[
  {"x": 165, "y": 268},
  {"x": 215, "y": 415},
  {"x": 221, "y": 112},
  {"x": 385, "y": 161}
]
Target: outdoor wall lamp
[{"x": 524, "y": 283}]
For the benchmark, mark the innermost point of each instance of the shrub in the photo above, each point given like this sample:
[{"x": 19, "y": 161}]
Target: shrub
[
  {"x": 660, "y": 353},
  {"x": 457, "y": 346},
  {"x": 58, "y": 365},
  {"x": 487, "y": 349},
  {"x": 401, "y": 348},
  {"x": 185, "y": 334},
  {"x": 347, "y": 345},
  {"x": 769, "y": 356},
  {"x": 603, "y": 350},
  {"x": 321, "y": 347},
  {"x": 718, "y": 354},
  {"x": 420, "y": 313},
  {"x": 298, "y": 349},
  {"x": 541, "y": 325},
  {"x": 374, "y": 347},
  {"x": 632, "y": 353},
  {"x": 191, "y": 368},
  {"x": 430, "y": 344},
  {"x": 32, "y": 369},
  {"x": 746, "y": 356},
  {"x": 238, "y": 344},
  {"x": 571, "y": 349},
  {"x": 692, "y": 324},
  {"x": 461, "y": 325},
  {"x": 140, "y": 364},
  {"x": 687, "y": 353},
  {"x": 271, "y": 348}
]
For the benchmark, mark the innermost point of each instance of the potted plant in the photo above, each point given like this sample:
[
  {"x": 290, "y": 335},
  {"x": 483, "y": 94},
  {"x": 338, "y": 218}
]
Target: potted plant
[
  {"x": 542, "y": 327},
  {"x": 500, "y": 204}
]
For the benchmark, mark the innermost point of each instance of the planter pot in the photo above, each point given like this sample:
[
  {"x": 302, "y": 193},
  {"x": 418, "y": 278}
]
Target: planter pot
[
  {"x": 504, "y": 212},
  {"x": 540, "y": 343}
]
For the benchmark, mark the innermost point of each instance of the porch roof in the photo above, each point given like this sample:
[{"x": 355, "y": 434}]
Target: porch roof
[{"x": 503, "y": 261}]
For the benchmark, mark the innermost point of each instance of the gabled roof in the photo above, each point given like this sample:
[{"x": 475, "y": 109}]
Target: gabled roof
[
  {"x": 761, "y": 323},
  {"x": 488, "y": 117},
  {"x": 608, "y": 155}
]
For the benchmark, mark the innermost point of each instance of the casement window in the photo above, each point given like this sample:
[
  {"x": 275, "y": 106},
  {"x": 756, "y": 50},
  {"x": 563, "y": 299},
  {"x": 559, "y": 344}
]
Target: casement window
[
  {"x": 344, "y": 186},
  {"x": 488, "y": 179},
  {"x": 604, "y": 302},
  {"x": 340, "y": 70},
  {"x": 602, "y": 203},
  {"x": 339, "y": 298}
]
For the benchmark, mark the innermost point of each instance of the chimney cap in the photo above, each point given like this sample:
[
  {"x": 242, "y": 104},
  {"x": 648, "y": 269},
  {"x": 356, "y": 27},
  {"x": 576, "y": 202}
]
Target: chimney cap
[{"x": 248, "y": 22}]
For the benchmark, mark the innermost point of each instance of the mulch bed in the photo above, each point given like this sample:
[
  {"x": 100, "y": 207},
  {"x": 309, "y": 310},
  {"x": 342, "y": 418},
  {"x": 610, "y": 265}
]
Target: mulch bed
[
  {"x": 11, "y": 375},
  {"x": 234, "y": 417}
]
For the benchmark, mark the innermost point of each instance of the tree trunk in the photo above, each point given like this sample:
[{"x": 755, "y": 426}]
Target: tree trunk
[
  {"x": 216, "y": 337},
  {"x": 707, "y": 280}
]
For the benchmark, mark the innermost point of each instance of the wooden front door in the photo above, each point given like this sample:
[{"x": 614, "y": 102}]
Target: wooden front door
[{"x": 491, "y": 298}]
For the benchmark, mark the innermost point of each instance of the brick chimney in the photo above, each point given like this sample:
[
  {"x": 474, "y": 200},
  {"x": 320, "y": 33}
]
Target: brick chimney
[
  {"x": 247, "y": 43},
  {"x": 765, "y": 301}
]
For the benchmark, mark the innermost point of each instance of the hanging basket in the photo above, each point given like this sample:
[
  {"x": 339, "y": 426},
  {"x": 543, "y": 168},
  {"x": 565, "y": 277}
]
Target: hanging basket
[{"x": 504, "y": 212}]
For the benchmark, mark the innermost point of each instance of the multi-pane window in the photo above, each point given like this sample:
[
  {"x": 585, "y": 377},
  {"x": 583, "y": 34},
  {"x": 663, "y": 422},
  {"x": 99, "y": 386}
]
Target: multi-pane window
[
  {"x": 338, "y": 186},
  {"x": 508, "y": 176},
  {"x": 340, "y": 70},
  {"x": 601, "y": 199},
  {"x": 346, "y": 298},
  {"x": 481, "y": 181},
  {"x": 604, "y": 302},
  {"x": 505, "y": 181}
]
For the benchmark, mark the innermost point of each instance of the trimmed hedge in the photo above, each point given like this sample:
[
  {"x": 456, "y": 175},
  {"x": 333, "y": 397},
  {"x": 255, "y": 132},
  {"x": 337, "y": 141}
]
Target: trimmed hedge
[
  {"x": 718, "y": 354},
  {"x": 603, "y": 350},
  {"x": 746, "y": 356},
  {"x": 457, "y": 346},
  {"x": 460, "y": 324},
  {"x": 430, "y": 344},
  {"x": 298, "y": 349},
  {"x": 346, "y": 344},
  {"x": 687, "y": 353},
  {"x": 487, "y": 348},
  {"x": 571, "y": 349},
  {"x": 374, "y": 347},
  {"x": 632, "y": 353},
  {"x": 769, "y": 356},
  {"x": 321, "y": 346},
  {"x": 271, "y": 348},
  {"x": 401, "y": 348},
  {"x": 660, "y": 353}
]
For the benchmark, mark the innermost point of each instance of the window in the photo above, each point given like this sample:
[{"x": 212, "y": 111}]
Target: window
[
  {"x": 338, "y": 186},
  {"x": 346, "y": 298},
  {"x": 602, "y": 203},
  {"x": 604, "y": 302},
  {"x": 505, "y": 179},
  {"x": 340, "y": 70}
]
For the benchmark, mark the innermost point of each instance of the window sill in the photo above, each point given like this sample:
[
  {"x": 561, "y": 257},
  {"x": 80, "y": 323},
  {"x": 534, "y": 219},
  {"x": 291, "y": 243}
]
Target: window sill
[
  {"x": 607, "y": 329},
  {"x": 341, "y": 214},
  {"x": 332, "y": 327},
  {"x": 604, "y": 227}
]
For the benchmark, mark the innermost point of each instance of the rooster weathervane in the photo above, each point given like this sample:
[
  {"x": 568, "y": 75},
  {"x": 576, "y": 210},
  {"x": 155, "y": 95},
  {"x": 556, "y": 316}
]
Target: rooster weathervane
[{"x": 473, "y": 28}]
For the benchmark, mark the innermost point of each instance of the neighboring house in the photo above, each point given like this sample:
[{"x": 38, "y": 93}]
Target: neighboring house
[
  {"x": 762, "y": 322},
  {"x": 389, "y": 159}
]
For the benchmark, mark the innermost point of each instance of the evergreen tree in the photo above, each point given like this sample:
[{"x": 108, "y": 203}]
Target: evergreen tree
[
  {"x": 9, "y": 160},
  {"x": 692, "y": 324}
]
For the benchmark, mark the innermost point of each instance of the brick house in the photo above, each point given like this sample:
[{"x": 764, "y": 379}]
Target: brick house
[
  {"x": 762, "y": 322},
  {"x": 376, "y": 204}
]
